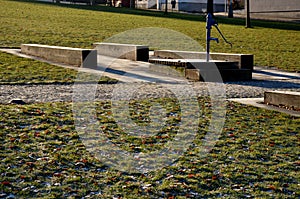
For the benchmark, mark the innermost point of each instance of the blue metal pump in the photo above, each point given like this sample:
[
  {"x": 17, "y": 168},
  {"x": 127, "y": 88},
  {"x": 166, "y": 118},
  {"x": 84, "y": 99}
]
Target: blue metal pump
[{"x": 209, "y": 23}]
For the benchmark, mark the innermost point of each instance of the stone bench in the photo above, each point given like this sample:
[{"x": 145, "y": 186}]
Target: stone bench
[
  {"x": 245, "y": 61},
  {"x": 123, "y": 51},
  {"x": 79, "y": 57}
]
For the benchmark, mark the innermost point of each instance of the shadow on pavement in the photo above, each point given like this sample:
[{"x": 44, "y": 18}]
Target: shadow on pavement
[{"x": 270, "y": 84}]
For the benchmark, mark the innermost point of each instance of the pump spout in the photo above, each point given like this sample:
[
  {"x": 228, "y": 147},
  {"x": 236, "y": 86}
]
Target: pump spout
[{"x": 214, "y": 39}]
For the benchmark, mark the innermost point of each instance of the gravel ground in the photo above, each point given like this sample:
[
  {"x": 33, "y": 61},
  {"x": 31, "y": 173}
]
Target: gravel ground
[{"x": 64, "y": 92}]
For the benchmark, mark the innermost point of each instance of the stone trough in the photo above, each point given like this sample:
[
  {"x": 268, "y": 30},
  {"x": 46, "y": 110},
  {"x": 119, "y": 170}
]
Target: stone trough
[
  {"x": 245, "y": 61},
  {"x": 200, "y": 70},
  {"x": 231, "y": 67}
]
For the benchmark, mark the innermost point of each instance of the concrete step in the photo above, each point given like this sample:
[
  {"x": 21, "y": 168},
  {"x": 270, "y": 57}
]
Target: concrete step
[
  {"x": 225, "y": 75},
  {"x": 283, "y": 98}
]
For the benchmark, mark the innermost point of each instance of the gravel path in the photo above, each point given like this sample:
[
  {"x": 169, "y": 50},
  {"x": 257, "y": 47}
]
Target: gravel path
[{"x": 64, "y": 92}]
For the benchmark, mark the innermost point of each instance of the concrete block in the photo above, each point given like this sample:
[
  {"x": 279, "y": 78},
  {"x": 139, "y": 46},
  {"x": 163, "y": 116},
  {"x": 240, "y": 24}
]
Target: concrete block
[
  {"x": 245, "y": 61},
  {"x": 236, "y": 75},
  {"x": 79, "y": 57},
  {"x": 215, "y": 75},
  {"x": 123, "y": 51},
  {"x": 283, "y": 98}
]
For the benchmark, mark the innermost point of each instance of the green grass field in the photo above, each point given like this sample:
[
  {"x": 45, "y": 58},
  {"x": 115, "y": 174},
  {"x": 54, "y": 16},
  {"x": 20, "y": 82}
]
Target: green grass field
[
  {"x": 273, "y": 44},
  {"x": 42, "y": 155}
]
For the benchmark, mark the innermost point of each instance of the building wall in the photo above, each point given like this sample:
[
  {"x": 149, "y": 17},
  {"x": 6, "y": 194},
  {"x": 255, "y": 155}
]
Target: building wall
[
  {"x": 199, "y": 7},
  {"x": 145, "y": 4},
  {"x": 276, "y": 8},
  {"x": 142, "y": 4},
  {"x": 272, "y": 8},
  {"x": 194, "y": 5},
  {"x": 274, "y": 5}
]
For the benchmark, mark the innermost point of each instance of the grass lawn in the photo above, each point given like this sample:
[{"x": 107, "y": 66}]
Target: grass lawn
[
  {"x": 272, "y": 43},
  {"x": 42, "y": 155}
]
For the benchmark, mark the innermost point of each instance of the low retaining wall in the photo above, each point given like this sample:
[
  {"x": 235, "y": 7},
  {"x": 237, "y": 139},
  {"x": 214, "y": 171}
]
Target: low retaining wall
[
  {"x": 245, "y": 61},
  {"x": 123, "y": 51},
  {"x": 86, "y": 58}
]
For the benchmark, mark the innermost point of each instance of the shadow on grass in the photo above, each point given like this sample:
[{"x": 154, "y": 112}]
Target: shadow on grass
[
  {"x": 296, "y": 76},
  {"x": 268, "y": 84},
  {"x": 181, "y": 16}
]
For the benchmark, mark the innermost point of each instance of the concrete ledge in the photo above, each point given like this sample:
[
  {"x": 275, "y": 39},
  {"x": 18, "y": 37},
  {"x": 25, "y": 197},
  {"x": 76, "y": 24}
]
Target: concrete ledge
[
  {"x": 123, "y": 51},
  {"x": 283, "y": 98},
  {"x": 86, "y": 58},
  {"x": 245, "y": 61}
]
